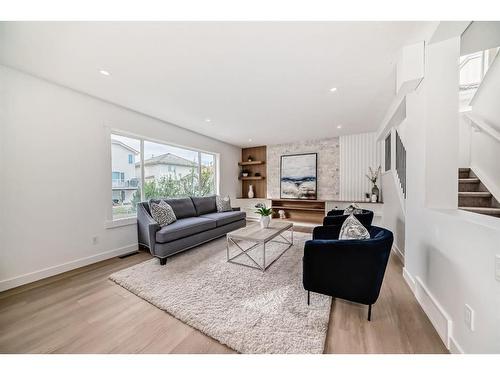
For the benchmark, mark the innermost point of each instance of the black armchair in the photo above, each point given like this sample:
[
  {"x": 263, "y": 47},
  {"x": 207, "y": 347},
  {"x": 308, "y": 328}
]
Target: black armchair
[
  {"x": 337, "y": 217},
  {"x": 348, "y": 269}
]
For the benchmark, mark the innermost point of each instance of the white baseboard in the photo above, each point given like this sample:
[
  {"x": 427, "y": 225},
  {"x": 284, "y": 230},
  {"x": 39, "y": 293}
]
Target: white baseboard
[
  {"x": 487, "y": 181},
  {"x": 399, "y": 253},
  {"x": 60, "y": 268},
  {"x": 437, "y": 315},
  {"x": 454, "y": 347},
  {"x": 432, "y": 308},
  {"x": 409, "y": 279}
]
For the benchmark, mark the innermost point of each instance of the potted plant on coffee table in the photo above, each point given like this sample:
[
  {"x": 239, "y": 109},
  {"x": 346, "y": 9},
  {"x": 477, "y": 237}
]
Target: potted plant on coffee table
[{"x": 265, "y": 214}]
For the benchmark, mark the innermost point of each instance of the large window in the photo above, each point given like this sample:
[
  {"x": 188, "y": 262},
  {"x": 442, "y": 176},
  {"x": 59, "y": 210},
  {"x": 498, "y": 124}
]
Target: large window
[
  {"x": 169, "y": 172},
  {"x": 125, "y": 177}
]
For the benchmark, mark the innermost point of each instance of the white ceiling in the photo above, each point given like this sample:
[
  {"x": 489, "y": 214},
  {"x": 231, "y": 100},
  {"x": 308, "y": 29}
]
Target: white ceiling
[{"x": 268, "y": 81}]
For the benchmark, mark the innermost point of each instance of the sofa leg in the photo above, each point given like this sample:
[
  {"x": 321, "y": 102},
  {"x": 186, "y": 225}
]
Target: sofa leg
[
  {"x": 308, "y": 297},
  {"x": 163, "y": 261},
  {"x": 369, "y": 313}
]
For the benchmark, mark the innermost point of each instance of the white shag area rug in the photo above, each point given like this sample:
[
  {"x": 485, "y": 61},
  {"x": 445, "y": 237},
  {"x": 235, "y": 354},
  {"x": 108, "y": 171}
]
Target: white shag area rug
[{"x": 246, "y": 309}]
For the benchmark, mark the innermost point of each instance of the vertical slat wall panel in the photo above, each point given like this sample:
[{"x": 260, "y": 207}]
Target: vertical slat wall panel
[{"x": 358, "y": 152}]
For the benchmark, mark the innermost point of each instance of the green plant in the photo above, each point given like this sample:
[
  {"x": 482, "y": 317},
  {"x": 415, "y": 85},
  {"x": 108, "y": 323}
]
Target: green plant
[{"x": 262, "y": 210}]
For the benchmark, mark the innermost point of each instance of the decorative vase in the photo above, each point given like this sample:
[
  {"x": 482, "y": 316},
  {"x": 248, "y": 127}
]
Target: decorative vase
[
  {"x": 374, "y": 198},
  {"x": 250, "y": 192},
  {"x": 376, "y": 192},
  {"x": 264, "y": 221}
]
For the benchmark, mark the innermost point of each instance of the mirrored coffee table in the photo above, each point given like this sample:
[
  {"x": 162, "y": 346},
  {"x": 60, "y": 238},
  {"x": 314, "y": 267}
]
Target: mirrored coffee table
[{"x": 258, "y": 236}]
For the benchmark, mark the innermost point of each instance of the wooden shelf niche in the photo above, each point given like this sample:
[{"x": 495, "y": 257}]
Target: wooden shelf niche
[
  {"x": 257, "y": 165},
  {"x": 300, "y": 210}
]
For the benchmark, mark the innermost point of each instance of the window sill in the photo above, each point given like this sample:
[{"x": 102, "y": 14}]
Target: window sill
[{"x": 110, "y": 224}]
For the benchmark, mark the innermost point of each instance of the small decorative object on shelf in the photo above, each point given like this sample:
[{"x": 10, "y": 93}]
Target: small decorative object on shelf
[
  {"x": 250, "y": 192},
  {"x": 367, "y": 197},
  {"x": 250, "y": 158},
  {"x": 265, "y": 214},
  {"x": 373, "y": 177},
  {"x": 257, "y": 174},
  {"x": 282, "y": 214},
  {"x": 374, "y": 198},
  {"x": 244, "y": 173}
]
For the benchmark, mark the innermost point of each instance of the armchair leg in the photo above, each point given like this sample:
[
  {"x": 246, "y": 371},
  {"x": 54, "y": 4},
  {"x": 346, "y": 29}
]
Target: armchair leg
[
  {"x": 369, "y": 313},
  {"x": 163, "y": 261},
  {"x": 308, "y": 297}
]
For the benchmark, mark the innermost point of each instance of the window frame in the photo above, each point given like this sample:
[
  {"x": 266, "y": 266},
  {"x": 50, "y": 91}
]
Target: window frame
[{"x": 112, "y": 222}]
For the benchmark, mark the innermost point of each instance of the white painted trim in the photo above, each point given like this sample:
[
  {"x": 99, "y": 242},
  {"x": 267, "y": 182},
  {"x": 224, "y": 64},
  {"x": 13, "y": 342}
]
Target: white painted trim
[
  {"x": 482, "y": 125},
  {"x": 454, "y": 347},
  {"x": 409, "y": 279},
  {"x": 434, "y": 311},
  {"x": 398, "y": 253},
  {"x": 64, "y": 267},
  {"x": 490, "y": 185},
  {"x": 109, "y": 224}
]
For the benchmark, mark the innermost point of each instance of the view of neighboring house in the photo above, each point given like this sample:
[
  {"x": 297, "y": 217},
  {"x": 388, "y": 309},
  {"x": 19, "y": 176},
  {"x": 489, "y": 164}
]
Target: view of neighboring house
[
  {"x": 166, "y": 165},
  {"x": 123, "y": 173}
]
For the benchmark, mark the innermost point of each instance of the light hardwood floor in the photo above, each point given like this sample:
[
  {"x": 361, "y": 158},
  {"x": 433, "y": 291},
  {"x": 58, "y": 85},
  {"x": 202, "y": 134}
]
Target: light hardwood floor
[{"x": 81, "y": 311}]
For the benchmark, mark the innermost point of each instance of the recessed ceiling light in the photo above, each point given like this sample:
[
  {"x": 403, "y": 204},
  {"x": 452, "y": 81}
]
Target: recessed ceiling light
[
  {"x": 249, "y": 139},
  {"x": 208, "y": 120},
  {"x": 339, "y": 126},
  {"x": 105, "y": 73},
  {"x": 333, "y": 89}
]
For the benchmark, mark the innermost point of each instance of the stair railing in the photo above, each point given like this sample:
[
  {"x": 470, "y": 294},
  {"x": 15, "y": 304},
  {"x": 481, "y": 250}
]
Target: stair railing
[{"x": 401, "y": 163}]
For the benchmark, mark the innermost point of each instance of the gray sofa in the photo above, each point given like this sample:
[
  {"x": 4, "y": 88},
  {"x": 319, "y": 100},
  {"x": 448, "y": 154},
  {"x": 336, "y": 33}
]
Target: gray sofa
[{"x": 197, "y": 221}]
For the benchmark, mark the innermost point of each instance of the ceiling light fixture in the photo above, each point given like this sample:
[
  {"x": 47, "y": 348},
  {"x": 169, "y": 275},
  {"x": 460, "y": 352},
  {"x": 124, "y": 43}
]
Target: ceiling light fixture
[
  {"x": 249, "y": 139},
  {"x": 333, "y": 89},
  {"x": 339, "y": 126},
  {"x": 208, "y": 120},
  {"x": 105, "y": 73}
]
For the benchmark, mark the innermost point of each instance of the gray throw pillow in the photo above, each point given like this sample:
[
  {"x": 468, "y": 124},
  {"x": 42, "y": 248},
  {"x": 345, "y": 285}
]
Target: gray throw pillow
[
  {"x": 223, "y": 203},
  {"x": 352, "y": 229},
  {"x": 162, "y": 213}
]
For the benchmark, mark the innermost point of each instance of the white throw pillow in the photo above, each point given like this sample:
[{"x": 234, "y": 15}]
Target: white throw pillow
[
  {"x": 352, "y": 229},
  {"x": 162, "y": 213},
  {"x": 353, "y": 208},
  {"x": 223, "y": 203}
]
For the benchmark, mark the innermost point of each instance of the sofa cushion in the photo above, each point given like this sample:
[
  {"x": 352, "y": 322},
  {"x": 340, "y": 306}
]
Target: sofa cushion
[
  {"x": 223, "y": 218},
  {"x": 204, "y": 205},
  {"x": 183, "y": 207},
  {"x": 183, "y": 228}
]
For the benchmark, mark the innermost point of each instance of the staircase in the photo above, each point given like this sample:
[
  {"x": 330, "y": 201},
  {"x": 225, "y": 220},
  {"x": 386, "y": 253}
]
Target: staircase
[{"x": 473, "y": 195}]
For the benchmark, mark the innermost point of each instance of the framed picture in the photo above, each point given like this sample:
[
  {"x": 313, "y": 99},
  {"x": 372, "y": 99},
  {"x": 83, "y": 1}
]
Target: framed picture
[{"x": 298, "y": 176}]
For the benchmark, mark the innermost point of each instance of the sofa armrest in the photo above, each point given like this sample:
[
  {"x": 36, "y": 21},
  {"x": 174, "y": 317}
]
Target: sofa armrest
[{"x": 146, "y": 228}]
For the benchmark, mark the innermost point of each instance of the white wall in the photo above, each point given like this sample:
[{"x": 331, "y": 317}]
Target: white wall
[
  {"x": 358, "y": 152},
  {"x": 485, "y": 102},
  {"x": 48, "y": 216},
  {"x": 449, "y": 254},
  {"x": 394, "y": 216},
  {"x": 464, "y": 139},
  {"x": 485, "y": 157}
]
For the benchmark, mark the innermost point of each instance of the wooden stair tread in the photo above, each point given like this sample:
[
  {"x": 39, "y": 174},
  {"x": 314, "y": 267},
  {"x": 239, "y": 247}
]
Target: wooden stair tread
[
  {"x": 463, "y": 169},
  {"x": 470, "y": 180},
  {"x": 482, "y": 194}
]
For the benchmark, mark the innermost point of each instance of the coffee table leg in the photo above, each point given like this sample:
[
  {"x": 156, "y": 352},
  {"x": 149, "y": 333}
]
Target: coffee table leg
[{"x": 264, "y": 255}]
